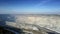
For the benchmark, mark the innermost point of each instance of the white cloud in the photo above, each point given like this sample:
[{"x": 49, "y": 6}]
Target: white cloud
[{"x": 42, "y": 3}]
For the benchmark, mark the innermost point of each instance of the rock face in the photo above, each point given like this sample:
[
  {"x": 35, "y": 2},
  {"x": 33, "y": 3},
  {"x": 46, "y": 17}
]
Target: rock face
[{"x": 51, "y": 22}]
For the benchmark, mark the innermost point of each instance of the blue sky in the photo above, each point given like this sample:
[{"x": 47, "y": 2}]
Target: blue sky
[{"x": 29, "y": 6}]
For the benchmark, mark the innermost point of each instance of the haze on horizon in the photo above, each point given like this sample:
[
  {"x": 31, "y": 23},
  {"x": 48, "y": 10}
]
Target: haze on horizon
[{"x": 29, "y": 6}]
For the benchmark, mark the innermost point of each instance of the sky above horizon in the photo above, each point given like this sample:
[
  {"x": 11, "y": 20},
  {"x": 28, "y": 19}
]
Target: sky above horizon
[{"x": 29, "y": 6}]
